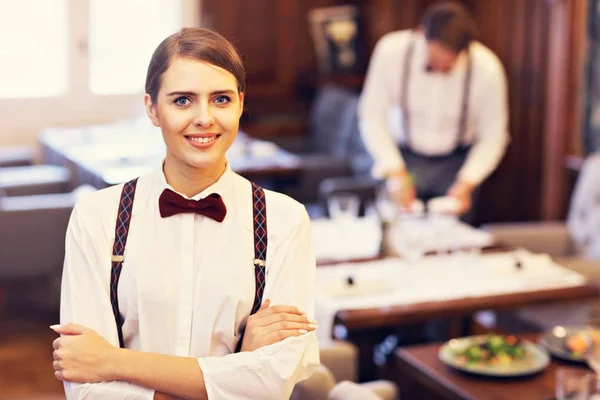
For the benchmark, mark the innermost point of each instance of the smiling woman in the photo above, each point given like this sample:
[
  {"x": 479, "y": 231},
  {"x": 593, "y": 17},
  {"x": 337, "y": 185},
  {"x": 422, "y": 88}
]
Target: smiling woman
[{"x": 197, "y": 306}]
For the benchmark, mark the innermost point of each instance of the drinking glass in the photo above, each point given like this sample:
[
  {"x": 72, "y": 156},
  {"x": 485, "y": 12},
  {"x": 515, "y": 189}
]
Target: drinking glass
[
  {"x": 411, "y": 236},
  {"x": 573, "y": 383},
  {"x": 344, "y": 211}
]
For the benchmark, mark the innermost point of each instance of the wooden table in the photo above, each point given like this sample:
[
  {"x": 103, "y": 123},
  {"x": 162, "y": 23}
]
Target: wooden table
[
  {"x": 356, "y": 320},
  {"x": 366, "y": 327},
  {"x": 421, "y": 375}
]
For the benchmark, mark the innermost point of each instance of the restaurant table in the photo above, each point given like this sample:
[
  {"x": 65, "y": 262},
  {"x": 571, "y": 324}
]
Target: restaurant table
[
  {"x": 108, "y": 155},
  {"x": 366, "y": 327},
  {"x": 421, "y": 375}
]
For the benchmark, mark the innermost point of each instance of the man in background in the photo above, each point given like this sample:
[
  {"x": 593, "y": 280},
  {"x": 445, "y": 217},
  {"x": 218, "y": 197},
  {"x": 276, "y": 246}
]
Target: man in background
[{"x": 433, "y": 112}]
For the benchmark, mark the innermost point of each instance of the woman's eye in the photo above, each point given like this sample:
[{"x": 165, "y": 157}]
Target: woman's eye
[
  {"x": 222, "y": 100},
  {"x": 182, "y": 101}
]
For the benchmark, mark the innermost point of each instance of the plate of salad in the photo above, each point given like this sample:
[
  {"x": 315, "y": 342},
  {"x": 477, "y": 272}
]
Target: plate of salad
[
  {"x": 571, "y": 343},
  {"x": 494, "y": 355}
]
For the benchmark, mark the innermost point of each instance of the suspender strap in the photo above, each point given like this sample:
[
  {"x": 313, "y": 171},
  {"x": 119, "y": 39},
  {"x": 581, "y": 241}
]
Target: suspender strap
[
  {"x": 404, "y": 92},
  {"x": 462, "y": 122},
  {"x": 121, "y": 231},
  {"x": 259, "y": 207}
]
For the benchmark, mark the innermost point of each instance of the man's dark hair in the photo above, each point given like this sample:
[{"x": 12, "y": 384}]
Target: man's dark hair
[{"x": 449, "y": 23}]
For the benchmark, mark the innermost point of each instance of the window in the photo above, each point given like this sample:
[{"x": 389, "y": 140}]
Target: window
[
  {"x": 78, "y": 62},
  {"x": 123, "y": 35},
  {"x": 33, "y": 48}
]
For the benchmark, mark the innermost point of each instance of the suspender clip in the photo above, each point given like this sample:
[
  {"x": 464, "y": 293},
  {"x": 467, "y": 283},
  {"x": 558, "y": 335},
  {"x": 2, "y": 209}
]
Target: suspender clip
[
  {"x": 116, "y": 258},
  {"x": 260, "y": 263}
]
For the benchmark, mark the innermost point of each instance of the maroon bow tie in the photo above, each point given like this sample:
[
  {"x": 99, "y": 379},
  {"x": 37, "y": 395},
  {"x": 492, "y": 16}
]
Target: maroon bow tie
[{"x": 212, "y": 206}]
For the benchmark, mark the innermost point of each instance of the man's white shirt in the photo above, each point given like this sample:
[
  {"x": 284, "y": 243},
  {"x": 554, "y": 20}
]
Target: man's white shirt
[{"x": 434, "y": 104}]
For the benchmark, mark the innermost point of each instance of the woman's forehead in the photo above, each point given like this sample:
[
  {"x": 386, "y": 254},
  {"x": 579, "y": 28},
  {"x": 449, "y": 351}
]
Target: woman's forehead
[{"x": 194, "y": 75}]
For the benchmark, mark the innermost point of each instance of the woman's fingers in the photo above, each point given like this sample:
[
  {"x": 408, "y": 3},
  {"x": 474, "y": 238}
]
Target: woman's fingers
[
  {"x": 279, "y": 335},
  {"x": 283, "y": 317},
  {"x": 280, "y": 309},
  {"x": 302, "y": 327},
  {"x": 264, "y": 305}
]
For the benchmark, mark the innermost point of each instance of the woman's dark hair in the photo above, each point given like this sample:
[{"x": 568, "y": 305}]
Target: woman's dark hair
[
  {"x": 196, "y": 43},
  {"x": 450, "y": 23}
]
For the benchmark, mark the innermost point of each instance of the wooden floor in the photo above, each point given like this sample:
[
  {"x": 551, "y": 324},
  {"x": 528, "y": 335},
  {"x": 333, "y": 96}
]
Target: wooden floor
[{"x": 26, "y": 355}]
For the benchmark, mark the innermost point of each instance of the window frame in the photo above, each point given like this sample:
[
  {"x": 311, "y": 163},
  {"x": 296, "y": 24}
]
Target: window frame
[{"x": 24, "y": 117}]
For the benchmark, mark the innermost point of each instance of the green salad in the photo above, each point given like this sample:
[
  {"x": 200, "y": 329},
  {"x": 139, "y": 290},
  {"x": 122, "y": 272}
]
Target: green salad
[{"x": 493, "y": 350}]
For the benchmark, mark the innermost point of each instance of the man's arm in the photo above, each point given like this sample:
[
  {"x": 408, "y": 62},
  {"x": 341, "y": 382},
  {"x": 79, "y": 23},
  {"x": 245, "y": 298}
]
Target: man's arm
[
  {"x": 491, "y": 124},
  {"x": 375, "y": 102}
]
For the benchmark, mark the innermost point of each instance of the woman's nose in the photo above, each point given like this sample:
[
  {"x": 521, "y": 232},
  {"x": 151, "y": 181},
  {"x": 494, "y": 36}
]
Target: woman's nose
[{"x": 204, "y": 117}]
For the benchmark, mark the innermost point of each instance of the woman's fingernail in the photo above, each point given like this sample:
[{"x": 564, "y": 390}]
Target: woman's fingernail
[
  {"x": 301, "y": 311},
  {"x": 313, "y": 326},
  {"x": 55, "y": 326},
  {"x": 302, "y": 331},
  {"x": 312, "y": 321}
]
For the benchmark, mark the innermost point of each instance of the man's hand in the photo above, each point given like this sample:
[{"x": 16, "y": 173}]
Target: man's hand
[
  {"x": 462, "y": 191},
  {"x": 81, "y": 355},
  {"x": 273, "y": 324},
  {"x": 401, "y": 188}
]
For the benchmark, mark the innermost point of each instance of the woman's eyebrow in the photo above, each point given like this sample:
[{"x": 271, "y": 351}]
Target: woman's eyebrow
[
  {"x": 181, "y": 93},
  {"x": 188, "y": 93}
]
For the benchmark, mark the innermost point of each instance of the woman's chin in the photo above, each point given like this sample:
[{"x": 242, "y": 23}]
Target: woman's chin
[{"x": 206, "y": 163}]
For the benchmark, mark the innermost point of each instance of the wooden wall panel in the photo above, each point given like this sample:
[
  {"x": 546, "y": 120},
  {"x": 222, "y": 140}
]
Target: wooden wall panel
[{"x": 530, "y": 37}]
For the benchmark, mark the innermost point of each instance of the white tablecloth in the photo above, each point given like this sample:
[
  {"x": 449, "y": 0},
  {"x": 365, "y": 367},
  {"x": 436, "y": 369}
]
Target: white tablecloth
[{"x": 392, "y": 281}]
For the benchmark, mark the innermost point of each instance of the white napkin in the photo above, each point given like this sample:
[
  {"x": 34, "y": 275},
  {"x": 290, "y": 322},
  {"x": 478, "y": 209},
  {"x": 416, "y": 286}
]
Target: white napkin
[{"x": 443, "y": 205}]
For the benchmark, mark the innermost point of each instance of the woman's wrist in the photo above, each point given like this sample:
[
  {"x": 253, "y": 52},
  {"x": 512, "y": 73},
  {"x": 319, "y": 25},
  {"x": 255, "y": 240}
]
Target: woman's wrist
[{"x": 119, "y": 364}]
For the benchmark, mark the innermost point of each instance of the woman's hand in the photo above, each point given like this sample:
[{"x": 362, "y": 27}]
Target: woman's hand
[
  {"x": 81, "y": 355},
  {"x": 273, "y": 324}
]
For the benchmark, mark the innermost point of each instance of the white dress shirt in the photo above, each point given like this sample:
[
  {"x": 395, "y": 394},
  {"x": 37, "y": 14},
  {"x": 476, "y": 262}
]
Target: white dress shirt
[
  {"x": 187, "y": 285},
  {"x": 434, "y": 104}
]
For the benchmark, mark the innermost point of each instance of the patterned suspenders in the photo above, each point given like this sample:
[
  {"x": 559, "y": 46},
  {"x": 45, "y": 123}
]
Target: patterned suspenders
[
  {"x": 462, "y": 122},
  {"x": 260, "y": 250},
  {"x": 122, "y": 229}
]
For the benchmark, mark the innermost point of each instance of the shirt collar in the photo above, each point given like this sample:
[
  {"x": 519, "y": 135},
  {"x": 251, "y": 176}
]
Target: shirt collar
[{"x": 223, "y": 186}]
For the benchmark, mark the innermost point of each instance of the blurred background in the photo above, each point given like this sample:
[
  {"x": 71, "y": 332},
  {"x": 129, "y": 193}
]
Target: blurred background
[{"x": 71, "y": 109}]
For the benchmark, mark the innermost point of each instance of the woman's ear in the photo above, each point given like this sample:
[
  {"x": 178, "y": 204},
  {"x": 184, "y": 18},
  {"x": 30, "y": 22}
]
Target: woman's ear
[
  {"x": 241, "y": 103},
  {"x": 151, "y": 110}
]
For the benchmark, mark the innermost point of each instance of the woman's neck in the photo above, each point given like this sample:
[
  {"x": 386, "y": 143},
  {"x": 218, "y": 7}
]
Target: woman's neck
[{"x": 191, "y": 181}]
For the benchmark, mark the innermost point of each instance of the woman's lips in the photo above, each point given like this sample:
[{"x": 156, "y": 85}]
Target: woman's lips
[{"x": 202, "y": 142}]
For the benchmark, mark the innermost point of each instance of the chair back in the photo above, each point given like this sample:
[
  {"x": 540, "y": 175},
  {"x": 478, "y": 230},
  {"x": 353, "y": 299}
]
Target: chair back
[
  {"x": 362, "y": 186},
  {"x": 328, "y": 132},
  {"x": 361, "y": 161}
]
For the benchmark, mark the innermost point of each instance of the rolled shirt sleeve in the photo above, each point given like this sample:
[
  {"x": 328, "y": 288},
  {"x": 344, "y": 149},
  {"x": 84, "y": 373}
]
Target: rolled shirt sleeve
[
  {"x": 375, "y": 101},
  {"x": 491, "y": 128},
  {"x": 272, "y": 371}
]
